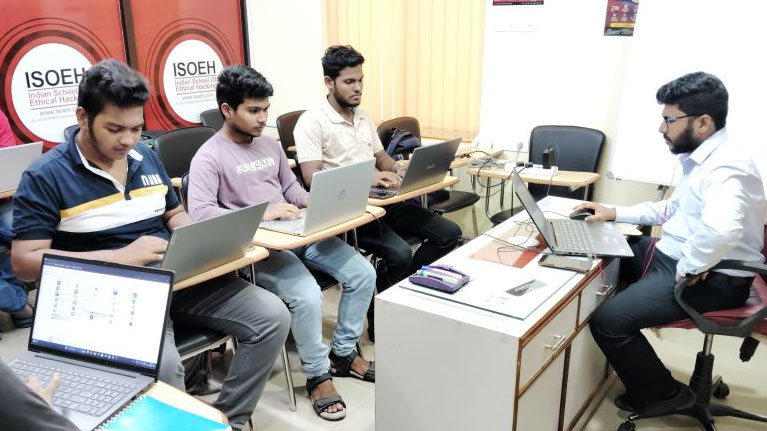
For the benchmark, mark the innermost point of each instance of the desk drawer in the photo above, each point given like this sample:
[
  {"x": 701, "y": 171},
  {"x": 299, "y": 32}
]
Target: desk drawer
[
  {"x": 596, "y": 291},
  {"x": 547, "y": 342}
]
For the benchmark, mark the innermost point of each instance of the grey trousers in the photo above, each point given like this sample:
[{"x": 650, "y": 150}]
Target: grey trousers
[{"x": 255, "y": 317}]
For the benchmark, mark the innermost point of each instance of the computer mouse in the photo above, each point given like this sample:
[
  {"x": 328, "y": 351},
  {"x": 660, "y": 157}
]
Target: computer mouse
[{"x": 582, "y": 214}]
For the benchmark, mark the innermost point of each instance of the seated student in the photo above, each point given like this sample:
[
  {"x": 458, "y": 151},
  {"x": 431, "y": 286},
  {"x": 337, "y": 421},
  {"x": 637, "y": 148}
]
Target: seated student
[
  {"x": 102, "y": 196},
  {"x": 28, "y": 408},
  {"x": 339, "y": 132},
  {"x": 13, "y": 296},
  {"x": 238, "y": 167}
]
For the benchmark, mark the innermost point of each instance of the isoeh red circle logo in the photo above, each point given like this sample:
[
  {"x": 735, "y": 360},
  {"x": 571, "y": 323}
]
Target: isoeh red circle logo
[{"x": 190, "y": 77}]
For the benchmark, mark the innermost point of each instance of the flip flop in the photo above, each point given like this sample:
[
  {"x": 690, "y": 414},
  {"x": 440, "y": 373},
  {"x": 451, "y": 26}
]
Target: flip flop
[
  {"x": 321, "y": 404},
  {"x": 341, "y": 366}
]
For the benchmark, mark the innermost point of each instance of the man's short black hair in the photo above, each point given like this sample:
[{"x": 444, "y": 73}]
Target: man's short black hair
[
  {"x": 239, "y": 82},
  {"x": 338, "y": 58},
  {"x": 697, "y": 93},
  {"x": 111, "y": 81}
]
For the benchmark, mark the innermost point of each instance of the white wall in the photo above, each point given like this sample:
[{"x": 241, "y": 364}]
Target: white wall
[{"x": 287, "y": 40}]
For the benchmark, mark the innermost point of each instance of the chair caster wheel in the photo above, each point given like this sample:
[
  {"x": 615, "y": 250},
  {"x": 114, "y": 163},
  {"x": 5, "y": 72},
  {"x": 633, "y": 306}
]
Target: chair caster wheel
[
  {"x": 721, "y": 391},
  {"x": 627, "y": 426}
]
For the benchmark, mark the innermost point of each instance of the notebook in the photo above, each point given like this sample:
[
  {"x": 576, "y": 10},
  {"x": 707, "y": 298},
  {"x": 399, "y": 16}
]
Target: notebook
[
  {"x": 574, "y": 237},
  {"x": 100, "y": 326},
  {"x": 150, "y": 414}
]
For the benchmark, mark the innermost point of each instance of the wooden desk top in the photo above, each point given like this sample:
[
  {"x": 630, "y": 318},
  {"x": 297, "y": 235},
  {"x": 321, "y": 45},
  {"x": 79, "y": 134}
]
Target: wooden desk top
[
  {"x": 561, "y": 178},
  {"x": 253, "y": 255},
  {"x": 7, "y": 194},
  {"x": 176, "y": 181},
  {"x": 283, "y": 241},
  {"x": 181, "y": 400},
  {"x": 460, "y": 162},
  {"x": 447, "y": 182}
]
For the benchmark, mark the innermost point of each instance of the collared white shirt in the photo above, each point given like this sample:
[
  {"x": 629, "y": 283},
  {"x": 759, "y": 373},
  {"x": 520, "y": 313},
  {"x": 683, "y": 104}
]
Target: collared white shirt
[
  {"x": 322, "y": 134},
  {"x": 716, "y": 212}
]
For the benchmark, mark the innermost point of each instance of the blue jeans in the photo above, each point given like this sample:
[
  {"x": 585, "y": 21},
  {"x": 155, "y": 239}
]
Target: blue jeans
[
  {"x": 13, "y": 297},
  {"x": 286, "y": 274}
]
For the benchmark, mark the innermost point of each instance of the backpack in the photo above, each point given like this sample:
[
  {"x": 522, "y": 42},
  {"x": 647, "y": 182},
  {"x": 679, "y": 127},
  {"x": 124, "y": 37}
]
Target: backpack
[{"x": 401, "y": 144}]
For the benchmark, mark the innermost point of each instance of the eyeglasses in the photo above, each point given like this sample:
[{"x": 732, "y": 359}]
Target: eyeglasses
[{"x": 671, "y": 120}]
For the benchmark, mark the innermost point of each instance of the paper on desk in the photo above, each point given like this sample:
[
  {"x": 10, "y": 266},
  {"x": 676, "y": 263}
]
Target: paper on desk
[{"x": 629, "y": 229}]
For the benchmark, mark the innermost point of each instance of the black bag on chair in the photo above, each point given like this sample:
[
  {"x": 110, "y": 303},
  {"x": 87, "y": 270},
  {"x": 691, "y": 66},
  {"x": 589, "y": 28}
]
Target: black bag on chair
[{"x": 402, "y": 144}]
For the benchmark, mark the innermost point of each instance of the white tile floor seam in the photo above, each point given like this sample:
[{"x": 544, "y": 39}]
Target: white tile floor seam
[{"x": 676, "y": 347}]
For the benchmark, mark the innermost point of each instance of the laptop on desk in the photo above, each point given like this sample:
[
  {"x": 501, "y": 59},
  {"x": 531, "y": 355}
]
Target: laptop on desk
[
  {"x": 337, "y": 195},
  {"x": 100, "y": 326},
  {"x": 13, "y": 162},
  {"x": 428, "y": 165},
  {"x": 202, "y": 246},
  {"x": 574, "y": 237}
]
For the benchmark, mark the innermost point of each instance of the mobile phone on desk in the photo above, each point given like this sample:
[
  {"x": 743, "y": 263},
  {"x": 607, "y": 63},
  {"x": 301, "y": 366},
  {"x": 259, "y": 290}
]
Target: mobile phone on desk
[{"x": 565, "y": 262}]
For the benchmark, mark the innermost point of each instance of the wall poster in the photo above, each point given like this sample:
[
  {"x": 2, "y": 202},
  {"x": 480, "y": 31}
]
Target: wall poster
[{"x": 621, "y": 17}]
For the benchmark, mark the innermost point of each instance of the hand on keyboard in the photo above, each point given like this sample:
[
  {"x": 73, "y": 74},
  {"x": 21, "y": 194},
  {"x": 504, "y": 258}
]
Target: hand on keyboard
[
  {"x": 387, "y": 179},
  {"x": 47, "y": 392}
]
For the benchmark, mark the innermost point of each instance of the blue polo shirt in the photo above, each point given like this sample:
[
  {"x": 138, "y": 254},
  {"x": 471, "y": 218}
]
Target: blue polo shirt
[{"x": 79, "y": 207}]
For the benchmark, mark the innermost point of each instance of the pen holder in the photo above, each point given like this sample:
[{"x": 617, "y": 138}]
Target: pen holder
[{"x": 439, "y": 277}]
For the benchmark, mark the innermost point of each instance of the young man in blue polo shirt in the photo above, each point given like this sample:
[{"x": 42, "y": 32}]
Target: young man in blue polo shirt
[{"x": 104, "y": 197}]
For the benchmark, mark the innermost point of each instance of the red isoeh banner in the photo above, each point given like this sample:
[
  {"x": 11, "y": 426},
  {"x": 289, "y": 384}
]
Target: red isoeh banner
[
  {"x": 45, "y": 48},
  {"x": 181, "y": 46}
]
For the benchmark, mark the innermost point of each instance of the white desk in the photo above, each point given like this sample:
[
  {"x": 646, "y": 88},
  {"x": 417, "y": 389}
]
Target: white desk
[{"x": 447, "y": 366}]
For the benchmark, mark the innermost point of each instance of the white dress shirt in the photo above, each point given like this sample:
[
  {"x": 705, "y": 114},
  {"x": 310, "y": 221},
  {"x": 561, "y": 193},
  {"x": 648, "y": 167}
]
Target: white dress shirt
[{"x": 716, "y": 212}]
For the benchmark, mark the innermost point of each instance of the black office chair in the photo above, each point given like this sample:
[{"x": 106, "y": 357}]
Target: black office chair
[
  {"x": 578, "y": 149},
  {"x": 212, "y": 118},
  {"x": 285, "y": 125},
  {"x": 456, "y": 200},
  {"x": 747, "y": 322},
  {"x": 177, "y": 147},
  {"x": 69, "y": 132},
  {"x": 191, "y": 341}
]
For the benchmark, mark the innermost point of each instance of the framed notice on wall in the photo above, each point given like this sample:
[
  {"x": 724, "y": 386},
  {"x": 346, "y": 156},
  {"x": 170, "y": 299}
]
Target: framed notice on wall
[
  {"x": 621, "y": 17},
  {"x": 181, "y": 46},
  {"x": 45, "y": 48},
  {"x": 516, "y": 2}
]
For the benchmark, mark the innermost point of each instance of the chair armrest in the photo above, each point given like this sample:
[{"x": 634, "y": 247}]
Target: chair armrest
[{"x": 742, "y": 329}]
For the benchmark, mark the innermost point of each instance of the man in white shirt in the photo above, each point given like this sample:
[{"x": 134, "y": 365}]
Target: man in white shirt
[{"x": 716, "y": 212}]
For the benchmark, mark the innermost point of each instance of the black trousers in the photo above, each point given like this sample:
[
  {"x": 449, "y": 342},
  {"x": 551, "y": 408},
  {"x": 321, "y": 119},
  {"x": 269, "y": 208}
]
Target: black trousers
[
  {"x": 439, "y": 236},
  {"x": 647, "y": 302}
]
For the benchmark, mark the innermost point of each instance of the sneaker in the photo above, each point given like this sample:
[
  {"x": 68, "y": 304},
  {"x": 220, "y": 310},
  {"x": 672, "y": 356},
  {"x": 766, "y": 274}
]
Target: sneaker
[{"x": 682, "y": 400}]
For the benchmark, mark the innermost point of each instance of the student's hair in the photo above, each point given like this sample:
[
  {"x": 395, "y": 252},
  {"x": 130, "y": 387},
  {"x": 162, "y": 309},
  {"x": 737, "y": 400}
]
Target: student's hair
[
  {"x": 339, "y": 57},
  {"x": 697, "y": 93},
  {"x": 239, "y": 82},
  {"x": 111, "y": 81}
]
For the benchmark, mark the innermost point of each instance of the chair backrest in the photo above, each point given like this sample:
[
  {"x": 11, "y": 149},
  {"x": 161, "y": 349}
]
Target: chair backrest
[
  {"x": 285, "y": 125},
  {"x": 177, "y": 147},
  {"x": 185, "y": 191},
  {"x": 69, "y": 132},
  {"x": 405, "y": 123},
  {"x": 212, "y": 118},
  {"x": 579, "y": 149}
]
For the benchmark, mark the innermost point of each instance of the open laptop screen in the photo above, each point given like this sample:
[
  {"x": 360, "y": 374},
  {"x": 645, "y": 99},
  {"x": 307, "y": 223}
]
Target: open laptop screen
[
  {"x": 108, "y": 313},
  {"x": 534, "y": 210}
]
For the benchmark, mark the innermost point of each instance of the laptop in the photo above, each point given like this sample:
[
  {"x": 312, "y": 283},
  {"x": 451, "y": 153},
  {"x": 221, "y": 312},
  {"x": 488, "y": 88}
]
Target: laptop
[
  {"x": 201, "y": 246},
  {"x": 428, "y": 165},
  {"x": 13, "y": 162},
  {"x": 337, "y": 195},
  {"x": 100, "y": 326},
  {"x": 574, "y": 237}
]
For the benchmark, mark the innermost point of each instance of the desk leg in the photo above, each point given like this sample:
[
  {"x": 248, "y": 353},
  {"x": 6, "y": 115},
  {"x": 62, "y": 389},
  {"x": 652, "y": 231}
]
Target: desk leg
[
  {"x": 487, "y": 199},
  {"x": 425, "y": 201},
  {"x": 503, "y": 193},
  {"x": 354, "y": 240}
]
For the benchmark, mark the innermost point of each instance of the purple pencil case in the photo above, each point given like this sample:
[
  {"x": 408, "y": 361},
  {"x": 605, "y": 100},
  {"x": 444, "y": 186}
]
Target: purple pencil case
[{"x": 452, "y": 280}]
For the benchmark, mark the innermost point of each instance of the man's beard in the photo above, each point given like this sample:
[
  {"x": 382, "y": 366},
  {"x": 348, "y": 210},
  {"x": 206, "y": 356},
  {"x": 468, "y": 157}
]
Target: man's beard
[
  {"x": 685, "y": 143},
  {"x": 343, "y": 103}
]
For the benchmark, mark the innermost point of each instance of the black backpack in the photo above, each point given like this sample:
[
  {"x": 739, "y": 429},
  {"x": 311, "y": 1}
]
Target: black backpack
[{"x": 402, "y": 143}]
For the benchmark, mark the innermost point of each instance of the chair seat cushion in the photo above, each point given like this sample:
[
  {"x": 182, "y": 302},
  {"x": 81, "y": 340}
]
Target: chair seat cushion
[
  {"x": 457, "y": 200},
  {"x": 755, "y": 302},
  {"x": 191, "y": 338}
]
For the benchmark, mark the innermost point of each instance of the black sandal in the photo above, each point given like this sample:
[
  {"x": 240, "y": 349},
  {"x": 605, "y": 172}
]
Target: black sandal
[
  {"x": 341, "y": 366},
  {"x": 321, "y": 404}
]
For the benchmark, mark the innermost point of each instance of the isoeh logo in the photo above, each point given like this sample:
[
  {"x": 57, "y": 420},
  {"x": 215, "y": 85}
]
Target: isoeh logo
[
  {"x": 44, "y": 89},
  {"x": 189, "y": 79}
]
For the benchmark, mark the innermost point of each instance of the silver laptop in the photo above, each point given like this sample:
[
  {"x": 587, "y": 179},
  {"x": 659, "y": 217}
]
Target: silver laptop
[
  {"x": 428, "y": 165},
  {"x": 201, "y": 246},
  {"x": 100, "y": 326},
  {"x": 13, "y": 162},
  {"x": 337, "y": 195},
  {"x": 574, "y": 237}
]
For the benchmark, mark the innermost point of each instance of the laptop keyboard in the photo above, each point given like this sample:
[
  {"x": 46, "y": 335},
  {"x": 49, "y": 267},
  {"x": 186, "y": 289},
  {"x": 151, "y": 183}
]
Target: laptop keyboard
[
  {"x": 382, "y": 192},
  {"x": 80, "y": 392},
  {"x": 573, "y": 235}
]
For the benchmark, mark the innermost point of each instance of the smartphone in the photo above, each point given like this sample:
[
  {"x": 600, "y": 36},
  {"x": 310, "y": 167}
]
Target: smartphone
[{"x": 564, "y": 262}]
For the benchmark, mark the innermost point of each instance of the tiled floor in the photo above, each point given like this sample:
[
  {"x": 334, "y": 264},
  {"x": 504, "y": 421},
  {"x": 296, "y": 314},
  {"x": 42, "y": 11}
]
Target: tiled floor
[{"x": 676, "y": 347}]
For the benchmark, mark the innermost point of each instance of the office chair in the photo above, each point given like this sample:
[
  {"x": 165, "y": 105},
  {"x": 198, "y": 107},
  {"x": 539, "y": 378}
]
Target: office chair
[
  {"x": 212, "y": 118},
  {"x": 191, "y": 341},
  {"x": 285, "y": 125},
  {"x": 69, "y": 132},
  {"x": 743, "y": 322},
  {"x": 177, "y": 147},
  {"x": 456, "y": 200},
  {"x": 578, "y": 149}
]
